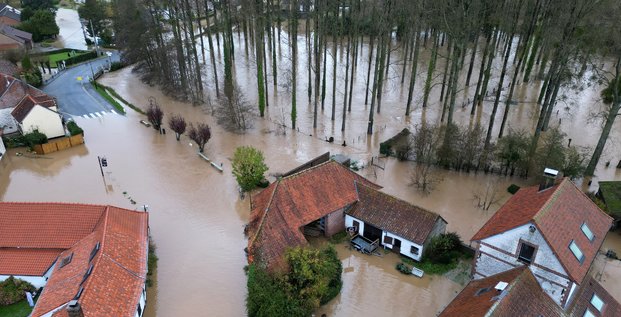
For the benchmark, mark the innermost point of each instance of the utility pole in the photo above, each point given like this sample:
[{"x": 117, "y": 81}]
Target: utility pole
[{"x": 94, "y": 37}]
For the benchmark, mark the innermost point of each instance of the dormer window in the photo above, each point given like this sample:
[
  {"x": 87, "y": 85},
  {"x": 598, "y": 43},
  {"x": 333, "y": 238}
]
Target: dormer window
[
  {"x": 527, "y": 252},
  {"x": 576, "y": 251},
  {"x": 597, "y": 302},
  {"x": 587, "y": 232},
  {"x": 66, "y": 260},
  {"x": 94, "y": 252}
]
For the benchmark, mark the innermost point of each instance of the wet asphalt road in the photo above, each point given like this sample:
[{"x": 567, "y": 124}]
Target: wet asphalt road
[{"x": 79, "y": 98}]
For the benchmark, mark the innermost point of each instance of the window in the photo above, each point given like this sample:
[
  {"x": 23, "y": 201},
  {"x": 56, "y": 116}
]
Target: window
[
  {"x": 77, "y": 296},
  {"x": 387, "y": 240},
  {"x": 576, "y": 251},
  {"x": 588, "y": 313},
  {"x": 597, "y": 302},
  {"x": 527, "y": 253},
  {"x": 87, "y": 274},
  {"x": 587, "y": 232},
  {"x": 139, "y": 310},
  {"x": 414, "y": 250},
  {"x": 95, "y": 249},
  {"x": 66, "y": 260}
]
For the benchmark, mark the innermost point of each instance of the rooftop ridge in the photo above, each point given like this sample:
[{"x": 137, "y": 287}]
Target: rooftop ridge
[
  {"x": 401, "y": 200},
  {"x": 64, "y": 204},
  {"x": 307, "y": 169},
  {"x": 101, "y": 245},
  {"x": 267, "y": 208},
  {"x": 560, "y": 188}
]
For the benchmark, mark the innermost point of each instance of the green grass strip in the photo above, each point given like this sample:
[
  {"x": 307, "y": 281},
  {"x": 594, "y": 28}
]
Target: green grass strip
[
  {"x": 57, "y": 57},
  {"x": 102, "y": 91},
  {"x": 19, "y": 309},
  {"x": 117, "y": 96}
]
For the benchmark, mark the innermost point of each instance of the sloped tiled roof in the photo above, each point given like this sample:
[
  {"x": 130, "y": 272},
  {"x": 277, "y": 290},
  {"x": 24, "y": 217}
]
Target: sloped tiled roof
[
  {"x": 26, "y": 105},
  {"x": 119, "y": 266},
  {"x": 16, "y": 34},
  {"x": 13, "y": 90},
  {"x": 582, "y": 300},
  {"x": 393, "y": 214},
  {"x": 280, "y": 210},
  {"x": 558, "y": 212},
  {"x": 10, "y": 12},
  {"x": 26, "y": 261},
  {"x": 522, "y": 297}
]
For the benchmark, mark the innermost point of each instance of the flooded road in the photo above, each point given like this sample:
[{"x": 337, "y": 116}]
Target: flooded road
[
  {"x": 197, "y": 217},
  {"x": 71, "y": 34}
]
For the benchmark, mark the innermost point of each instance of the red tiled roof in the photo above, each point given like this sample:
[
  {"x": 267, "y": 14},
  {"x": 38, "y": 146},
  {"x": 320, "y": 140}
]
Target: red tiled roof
[
  {"x": 394, "y": 215},
  {"x": 13, "y": 90},
  {"x": 558, "y": 213},
  {"x": 582, "y": 300},
  {"x": 33, "y": 262},
  {"x": 280, "y": 210},
  {"x": 522, "y": 297},
  {"x": 119, "y": 267}
]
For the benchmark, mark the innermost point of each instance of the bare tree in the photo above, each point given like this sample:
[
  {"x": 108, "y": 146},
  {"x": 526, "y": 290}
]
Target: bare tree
[
  {"x": 201, "y": 133},
  {"x": 234, "y": 113},
  {"x": 487, "y": 195},
  {"x": 155, "y": 115},
  {"x": 177, "y": 123},
  {"x": 425, "y": 144}
]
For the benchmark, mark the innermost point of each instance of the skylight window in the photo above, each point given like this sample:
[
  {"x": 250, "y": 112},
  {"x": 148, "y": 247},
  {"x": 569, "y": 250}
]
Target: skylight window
[
  {"x": 66, "y": 260},
  {"x": 588, "y": 313},
  {"x": 95, "y": 249},
  {"x": 587, "y": 232},
  {"x": 597, "y": 302},
  {"x": 576, "y": 251}
]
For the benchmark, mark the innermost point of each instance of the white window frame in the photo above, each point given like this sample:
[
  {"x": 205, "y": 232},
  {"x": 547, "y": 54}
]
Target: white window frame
[
  {"x": 587, "y": 231},
  {"x": 597, "y": 302},
  {"x": 575, "y": 249},
  {"x": 588, "y": 313}
]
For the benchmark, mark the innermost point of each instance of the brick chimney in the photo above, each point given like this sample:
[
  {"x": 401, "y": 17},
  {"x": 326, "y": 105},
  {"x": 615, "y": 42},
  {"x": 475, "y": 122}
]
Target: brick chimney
[{"x": 74, "y": 309}]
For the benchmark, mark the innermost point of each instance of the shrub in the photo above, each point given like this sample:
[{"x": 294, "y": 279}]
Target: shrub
[
  {"x": 35, "y": 137},
  {"x": 116, "y": 66},
  {"x": 443, "y": 248},
  {"x": 513, "y": 189},
  {"x": 151, "y": 262},
  {"x": 12, "y": 290},
  {"x": 248, "y": 167},
  {"x": 74, "y": 129},
  {"x": 33, "y": 77},
  {"x": 403, "y": 268}
]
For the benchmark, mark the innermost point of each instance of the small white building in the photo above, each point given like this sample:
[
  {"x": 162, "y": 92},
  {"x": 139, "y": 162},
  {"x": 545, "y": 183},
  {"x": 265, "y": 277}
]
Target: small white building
[
  {"x": 42, "y": 116},
  {"x": 554, "y": 229},
  {"x": 397, "y": 224}
]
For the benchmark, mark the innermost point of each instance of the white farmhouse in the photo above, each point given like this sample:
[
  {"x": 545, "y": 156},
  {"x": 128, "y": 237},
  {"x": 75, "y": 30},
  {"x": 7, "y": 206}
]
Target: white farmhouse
[
  {"x": 554, "y": 230},
  {"x": 396, "y": 224}
]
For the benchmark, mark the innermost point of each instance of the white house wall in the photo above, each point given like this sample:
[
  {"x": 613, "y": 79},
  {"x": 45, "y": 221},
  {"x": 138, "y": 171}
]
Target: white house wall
[
  {"x": 7, "y": 121},
  {"x": 46, "y": 121},
  {"x": 499, "y": 253},
  {"x": 2, "y": 149},
  {"x": 36, "y": 281},
  {"x": 405, "y": 244}
]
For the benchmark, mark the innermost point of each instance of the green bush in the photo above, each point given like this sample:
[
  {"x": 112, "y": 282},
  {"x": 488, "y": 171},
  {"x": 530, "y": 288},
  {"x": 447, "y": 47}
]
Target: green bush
[
  {"x": 314, "y": 279},
  {"x": 12, "y": 290},
  {"x": 74, "y": 129},
  {"x": 513, "y": 189},
  {"x": 33, "y": 77},
  {"x": 35, "y": 137},
  {"x": 443, "y": 249},
  {"x": 385, "y": 149},
  {"x": 151, "y": 263},
  {"x": 15, "y": 141},
  {"x": 248, "y": 167},
  {"x": 80, "y": 58},
  {"x": 116, "y": 66},
  {"x": 404, "y": 268}
]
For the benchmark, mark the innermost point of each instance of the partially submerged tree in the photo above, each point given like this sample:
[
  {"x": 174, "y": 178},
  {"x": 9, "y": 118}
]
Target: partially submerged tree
[
  {"x": 426, "y": 141},
  {"x": 234, "y": 112},
  {"x": 200, "y": 134},
  {"x": 155, "y": 115},
  {"x": 248, "y": 167},
  {"x": 177, "y": 123}
]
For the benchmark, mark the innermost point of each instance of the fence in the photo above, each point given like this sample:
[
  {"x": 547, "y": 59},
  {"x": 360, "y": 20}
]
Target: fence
[{"x": 59, "y": 144}]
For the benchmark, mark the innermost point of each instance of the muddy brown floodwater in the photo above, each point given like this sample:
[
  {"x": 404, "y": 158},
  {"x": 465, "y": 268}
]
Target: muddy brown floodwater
[{"x": 197, "y": 216}]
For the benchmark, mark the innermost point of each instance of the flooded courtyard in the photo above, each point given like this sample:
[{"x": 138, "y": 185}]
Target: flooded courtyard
[{"x": 197, "y": 216}]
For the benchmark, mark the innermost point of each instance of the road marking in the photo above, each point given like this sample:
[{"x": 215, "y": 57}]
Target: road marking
[
  {"x": 85, "y": 116},
  {"x": 97, "y": 114}
]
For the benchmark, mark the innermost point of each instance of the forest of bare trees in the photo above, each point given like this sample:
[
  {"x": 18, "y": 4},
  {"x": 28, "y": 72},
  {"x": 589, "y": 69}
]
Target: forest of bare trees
[{"x": 485, "y": 46}]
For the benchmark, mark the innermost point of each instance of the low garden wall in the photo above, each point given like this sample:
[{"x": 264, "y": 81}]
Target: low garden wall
[{"x": 59, "y": 144}]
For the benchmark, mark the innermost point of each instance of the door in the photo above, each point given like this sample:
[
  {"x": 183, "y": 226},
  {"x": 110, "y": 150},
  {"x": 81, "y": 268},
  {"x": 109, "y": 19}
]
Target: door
[
  {"x": 372, "y": 233},
  {"x": 397, "y": 246}
]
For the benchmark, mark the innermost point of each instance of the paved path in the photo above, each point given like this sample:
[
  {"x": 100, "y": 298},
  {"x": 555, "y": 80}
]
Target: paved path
[{"x": 79, "y": 98}]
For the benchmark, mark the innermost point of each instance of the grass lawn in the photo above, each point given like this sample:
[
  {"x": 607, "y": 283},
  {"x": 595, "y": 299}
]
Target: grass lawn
[
  {"x": 54, "y": 58},
  {"x": 19, "y": 309},
  {"x": 104, "y": 93},
  {"x": 612, "y": 196}
]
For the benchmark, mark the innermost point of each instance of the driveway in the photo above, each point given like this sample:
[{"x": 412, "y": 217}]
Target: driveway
[{"x": 75, "y": 95}]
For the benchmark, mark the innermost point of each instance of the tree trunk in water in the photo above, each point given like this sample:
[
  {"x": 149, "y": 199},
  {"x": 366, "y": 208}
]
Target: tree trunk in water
[
  {"x": 414, "y": 68},
  {"x": 259, "y": 55},
  {"x": 346, "y": 82},
  {"x": 453, "y": 84},
  {"x": 477, "y": 92},
  {"x": 211, "y": 51},
  {"x": 446, "y": 69},
  {"x": 492, "y": 117},
  {"x": 294, "y": 61},
  {"x": 472, "y": 56},
  {"x": 431, "y": 69},
  {"x": 366, "y": 96}
]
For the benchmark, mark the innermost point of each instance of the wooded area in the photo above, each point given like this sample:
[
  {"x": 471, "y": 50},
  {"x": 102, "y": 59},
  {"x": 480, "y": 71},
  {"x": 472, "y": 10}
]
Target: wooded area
[{"x": 486, "y": 45}]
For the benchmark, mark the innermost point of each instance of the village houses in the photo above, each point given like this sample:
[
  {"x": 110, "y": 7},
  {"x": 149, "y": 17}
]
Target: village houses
[
  {"x": 89, "y": 260},
  {"x": 534, "y": 254},
  {"x": 326, "y": 198}
]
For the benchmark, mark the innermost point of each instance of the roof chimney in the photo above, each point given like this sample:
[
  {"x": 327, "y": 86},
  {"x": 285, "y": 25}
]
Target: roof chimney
[
  {"x": 74, "y": 309},
  {"x": 549, "y": 177}
]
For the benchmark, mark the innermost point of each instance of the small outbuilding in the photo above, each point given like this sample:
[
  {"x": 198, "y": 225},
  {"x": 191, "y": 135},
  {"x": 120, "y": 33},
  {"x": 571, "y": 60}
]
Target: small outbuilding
[{"x": 397, "y": 224}]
